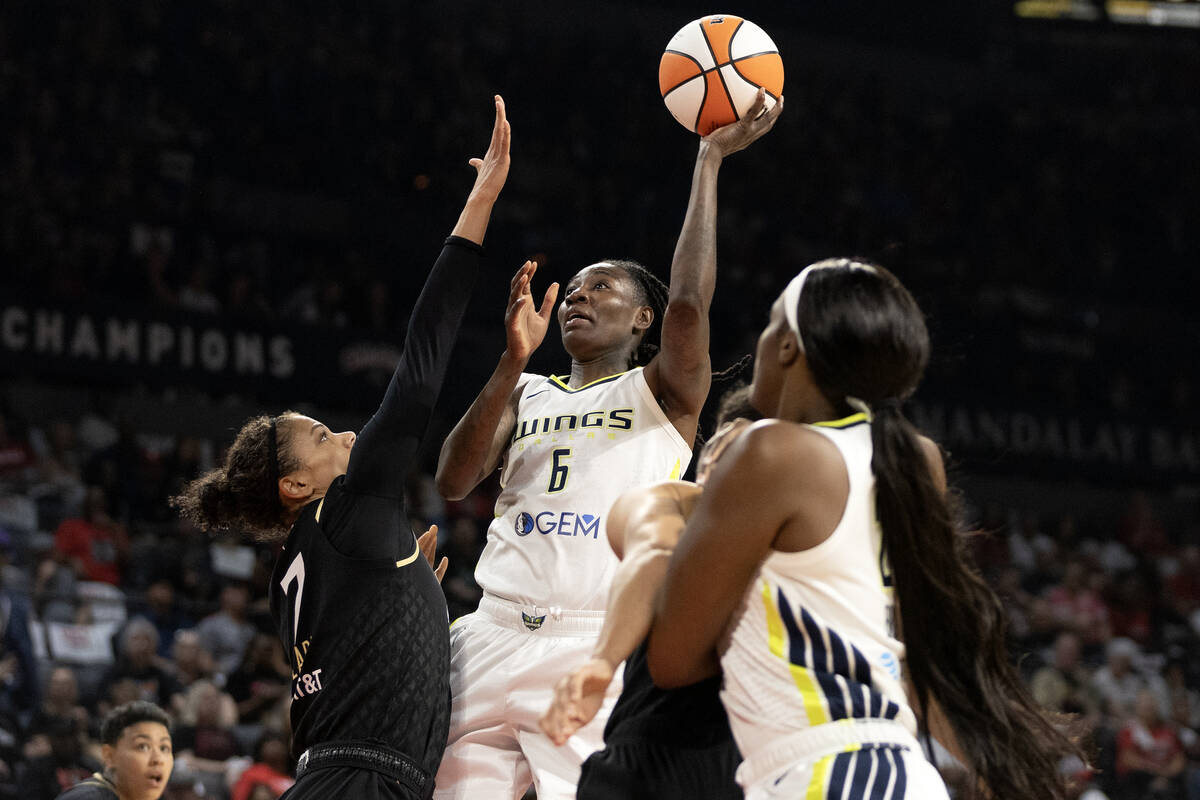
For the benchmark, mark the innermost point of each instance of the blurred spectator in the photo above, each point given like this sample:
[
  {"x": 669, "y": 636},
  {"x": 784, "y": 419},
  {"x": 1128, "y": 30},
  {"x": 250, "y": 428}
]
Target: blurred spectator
[
  {"x": 205, "y": 740},
  {"x": 138, "y": 660},
  {"x": 271, "y": 771},
  {"x": 1120, "y": 680},
  {"x": 1064, "y": 684},
  {"x": 1076, "y": 607},
  {"x": 45, "y": 777},
  {"x": 93, "y": 544},
  {"x": 1132, "y": 609},
  {"x": 161, "y": 610},
  {"x": 61, "y": 701},
  {"x": 18, "y": 670},
  {"x": 1150, "y": 757},
  {"x": 16, "y": 456},
  {"x": 227, "y": 632},
  {"x": 189, "y": 660}
]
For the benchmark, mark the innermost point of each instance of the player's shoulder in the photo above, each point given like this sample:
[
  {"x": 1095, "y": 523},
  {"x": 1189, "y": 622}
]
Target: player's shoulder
[
  {"x": 93, "y": 788},
  {"x": 774, "y": 452},
  {"x": 780, "y": 443}
]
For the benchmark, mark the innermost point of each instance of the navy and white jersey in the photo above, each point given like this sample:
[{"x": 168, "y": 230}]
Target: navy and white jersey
[
  {"x": 572, "y": 454},
  {"x": 358, "y": 609},
  {"x": 814, "y": 640}
]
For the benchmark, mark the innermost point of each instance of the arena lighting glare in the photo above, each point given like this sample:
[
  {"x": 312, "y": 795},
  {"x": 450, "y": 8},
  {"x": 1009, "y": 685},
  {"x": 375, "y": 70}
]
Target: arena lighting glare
[{"x": 1162, "y": 13}]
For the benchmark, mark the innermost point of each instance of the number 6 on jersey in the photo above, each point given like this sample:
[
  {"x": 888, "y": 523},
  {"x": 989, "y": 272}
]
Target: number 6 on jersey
[{"x": 558, "y": 471}]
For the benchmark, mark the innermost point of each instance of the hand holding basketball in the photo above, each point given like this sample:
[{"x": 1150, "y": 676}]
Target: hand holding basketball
[{"x": 757, "y": 121}]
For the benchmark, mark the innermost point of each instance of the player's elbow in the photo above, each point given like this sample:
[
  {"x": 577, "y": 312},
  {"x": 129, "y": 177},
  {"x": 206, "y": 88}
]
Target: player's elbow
[{"x": 451, "y": 486}]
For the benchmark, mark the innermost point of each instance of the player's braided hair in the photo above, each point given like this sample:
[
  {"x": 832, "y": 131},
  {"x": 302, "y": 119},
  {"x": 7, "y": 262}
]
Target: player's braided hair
[
  {"x": 865, "y": 337},
  {"x": 243, "y": 492},
  {"x": 654, "y": 293}
]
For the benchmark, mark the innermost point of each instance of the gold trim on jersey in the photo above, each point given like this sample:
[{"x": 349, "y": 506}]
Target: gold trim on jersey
[
  {"x": 416, "y": 552},
  {"x": 558, "y": 382},
  {"x": 810, "y": 692},
  {"x": 320, "y": 505},
  {"x": 844, "y": 422},
  {"x": 816, "y": 787}
]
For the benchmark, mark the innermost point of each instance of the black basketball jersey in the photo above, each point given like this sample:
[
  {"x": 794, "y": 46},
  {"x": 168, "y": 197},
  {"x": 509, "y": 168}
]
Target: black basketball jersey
[
  {"x": 688, "y": 717},
  {"x": 96, "y": 787},
  {"x": 368, "y": 639},
  {"x": 358, "y": 609}
]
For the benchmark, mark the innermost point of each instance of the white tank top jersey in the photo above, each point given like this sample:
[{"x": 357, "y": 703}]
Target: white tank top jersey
[
  {"x": 573, "y": 453},
  {"x": 813, "y": 642}
]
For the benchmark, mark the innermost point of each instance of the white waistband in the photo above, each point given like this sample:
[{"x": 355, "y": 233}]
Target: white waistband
[
  {"x": 821, "y": 740},
  {"x": 540, "y": 621}
]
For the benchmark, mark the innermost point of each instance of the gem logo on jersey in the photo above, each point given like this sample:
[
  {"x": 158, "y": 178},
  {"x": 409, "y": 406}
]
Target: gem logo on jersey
[{"x": 561, "y": 523}]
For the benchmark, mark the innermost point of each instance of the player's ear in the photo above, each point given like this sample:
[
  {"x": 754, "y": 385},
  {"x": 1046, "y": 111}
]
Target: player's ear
[
  {"x": 643, "y": 319},
  {"x": 789, "y": 348},
  {"x": 294, "y": 487}
]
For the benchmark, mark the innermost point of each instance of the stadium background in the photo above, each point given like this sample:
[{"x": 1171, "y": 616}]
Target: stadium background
[{"x": 215, "y": 208}]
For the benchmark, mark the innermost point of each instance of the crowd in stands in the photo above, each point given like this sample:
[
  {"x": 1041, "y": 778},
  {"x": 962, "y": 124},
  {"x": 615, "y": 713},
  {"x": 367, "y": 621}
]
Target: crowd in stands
[
  {"x": 108, "y": 598},
  {"x": 262, "y": 161}
]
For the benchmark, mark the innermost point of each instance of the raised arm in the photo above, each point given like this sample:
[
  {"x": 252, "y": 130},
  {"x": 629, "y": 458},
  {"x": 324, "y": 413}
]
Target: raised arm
[
  {"x": 473, "y": 449},
  {"x": 643, "y": 528},
  {"x": 681, "y": 373},
  {"x": 388, "y": 443}
]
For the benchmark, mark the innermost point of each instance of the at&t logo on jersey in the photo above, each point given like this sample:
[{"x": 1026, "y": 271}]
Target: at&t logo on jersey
[{"x": 561, "y": 523}]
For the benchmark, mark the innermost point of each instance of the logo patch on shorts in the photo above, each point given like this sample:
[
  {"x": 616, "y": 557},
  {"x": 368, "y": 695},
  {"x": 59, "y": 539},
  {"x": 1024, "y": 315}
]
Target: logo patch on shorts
[{"x": 532, "y": 622}]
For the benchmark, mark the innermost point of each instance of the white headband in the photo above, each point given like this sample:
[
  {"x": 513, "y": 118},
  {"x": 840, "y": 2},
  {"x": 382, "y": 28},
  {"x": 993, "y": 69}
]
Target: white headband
[{"x": 791, "y": 294}]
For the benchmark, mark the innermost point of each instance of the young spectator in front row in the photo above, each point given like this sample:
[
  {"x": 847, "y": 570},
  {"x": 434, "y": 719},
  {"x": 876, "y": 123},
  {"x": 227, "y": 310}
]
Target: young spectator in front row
[{"x": 136, "y": 748}]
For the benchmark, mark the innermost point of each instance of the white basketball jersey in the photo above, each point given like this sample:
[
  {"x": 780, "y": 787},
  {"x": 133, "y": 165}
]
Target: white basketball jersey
[
  {"x": 813, "y": 642},
  {"x": 573, "y": 452}
]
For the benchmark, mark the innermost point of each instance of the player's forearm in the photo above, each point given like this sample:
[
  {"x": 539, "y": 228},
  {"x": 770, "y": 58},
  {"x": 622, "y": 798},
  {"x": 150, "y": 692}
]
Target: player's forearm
[
  {"x": 694, "y": 265},
  {"x": 467, "y": 453},
  {"x": 473, "y": 221},
  {"x": 631, "y": 604}
]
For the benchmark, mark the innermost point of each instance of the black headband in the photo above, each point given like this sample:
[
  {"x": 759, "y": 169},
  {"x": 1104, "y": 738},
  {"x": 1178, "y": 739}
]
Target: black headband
[{"x": 273, "y": 460}]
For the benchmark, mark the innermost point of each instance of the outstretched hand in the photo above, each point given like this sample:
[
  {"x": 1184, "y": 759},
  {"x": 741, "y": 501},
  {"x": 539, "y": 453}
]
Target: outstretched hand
[
  {"x": 427, "y": 542},
  {"x": 578, "y": 696},
  {"x": 492, "y": 170},
  {"x": 736, "y": 136},
  {"x": 525, "y": 326}
]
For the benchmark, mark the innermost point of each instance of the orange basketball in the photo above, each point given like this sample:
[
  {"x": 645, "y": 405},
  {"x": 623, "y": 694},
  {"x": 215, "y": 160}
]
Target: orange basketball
[{"x": 712, "y": 68}]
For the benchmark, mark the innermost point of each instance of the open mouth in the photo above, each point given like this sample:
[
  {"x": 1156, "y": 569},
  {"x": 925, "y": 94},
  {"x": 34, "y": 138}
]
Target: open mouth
[
  {"x": 156, "y": 779},
  {"x": 574, "y": 319}
]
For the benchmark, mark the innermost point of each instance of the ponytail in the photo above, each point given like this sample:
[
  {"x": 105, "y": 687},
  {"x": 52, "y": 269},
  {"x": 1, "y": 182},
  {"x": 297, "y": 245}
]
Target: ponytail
[
  {"x": 244, "y": 492},
  {"x": 957, "y": 654},
  {"x": 866, "y": 345}
]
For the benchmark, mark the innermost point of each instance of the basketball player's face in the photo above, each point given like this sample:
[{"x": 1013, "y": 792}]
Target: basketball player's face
[
  {"x": 323, "y": 454},
  {"x": 600, "y": 312},
  {"x": 767, "y": 382},
  {"x": 140, "y": 762}
]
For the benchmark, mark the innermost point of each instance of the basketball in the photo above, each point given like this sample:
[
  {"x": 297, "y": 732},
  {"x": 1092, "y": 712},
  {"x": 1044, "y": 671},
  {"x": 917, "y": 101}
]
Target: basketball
[{"x": 711, "y": 70}]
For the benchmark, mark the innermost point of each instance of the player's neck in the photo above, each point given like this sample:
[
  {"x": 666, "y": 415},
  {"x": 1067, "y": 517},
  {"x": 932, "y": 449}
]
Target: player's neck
[{"x": 585, "y": 372}]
